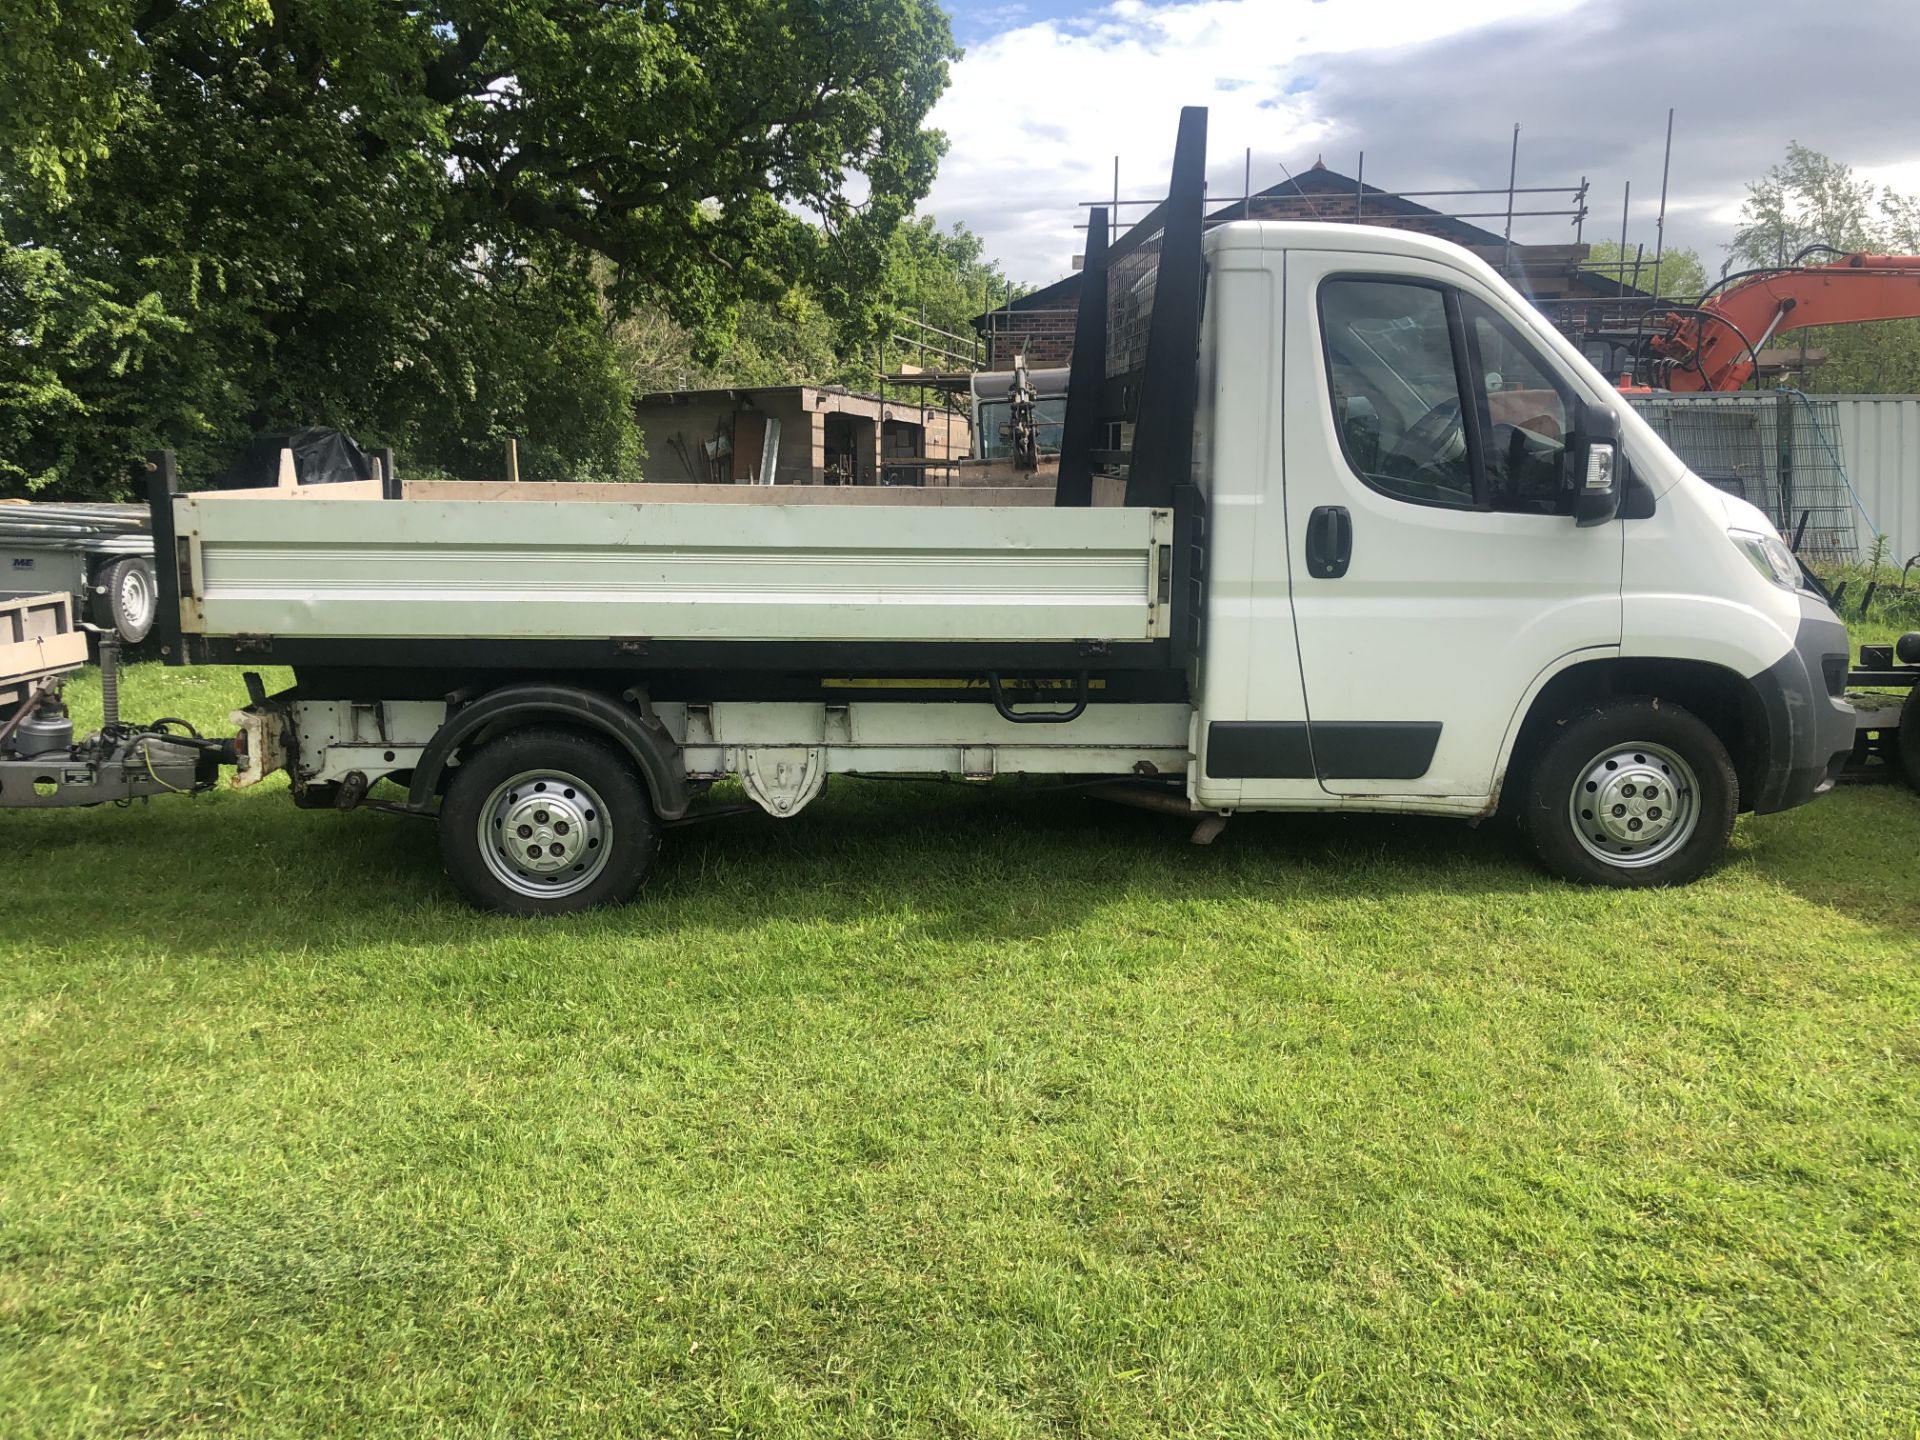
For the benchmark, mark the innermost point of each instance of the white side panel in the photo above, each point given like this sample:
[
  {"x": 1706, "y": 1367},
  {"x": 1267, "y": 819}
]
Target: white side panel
[
  {"x": 1445, "y": 616},
  {"x": 1251, "y": 668},
  {"x": 577, "y": 569}
]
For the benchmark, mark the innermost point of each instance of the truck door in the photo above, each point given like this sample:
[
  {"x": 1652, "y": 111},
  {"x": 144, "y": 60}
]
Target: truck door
[{"x": 1436, "y": 570}]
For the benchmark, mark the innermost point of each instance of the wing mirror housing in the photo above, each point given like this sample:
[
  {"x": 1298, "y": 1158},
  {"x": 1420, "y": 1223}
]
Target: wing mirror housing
[{"x": 1599, "y": 469}]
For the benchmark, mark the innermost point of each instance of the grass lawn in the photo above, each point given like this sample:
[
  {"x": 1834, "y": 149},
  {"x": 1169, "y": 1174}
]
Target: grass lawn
[{"x": 947, "y": 1111}]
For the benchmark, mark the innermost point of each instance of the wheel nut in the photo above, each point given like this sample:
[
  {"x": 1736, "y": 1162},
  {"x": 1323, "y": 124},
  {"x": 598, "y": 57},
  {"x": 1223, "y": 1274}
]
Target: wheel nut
[
  {"x": 526, "y": 832},
  {"x": 1653, "y": 812},
  {"x": 1633, "y": 824},
  {"x": 540, "y": 816},
  {"x": 556, "y": 849},
  {"x": 533, "y": 851},
  {"x": 559, "y": 827},
  {"x": 1619, "y": 810},
  {"x": 1627, "y": 790}
]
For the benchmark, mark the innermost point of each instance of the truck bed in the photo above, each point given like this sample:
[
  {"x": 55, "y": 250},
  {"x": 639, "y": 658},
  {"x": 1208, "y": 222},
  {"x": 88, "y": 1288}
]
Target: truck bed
[{"x": 267, "y": 568}]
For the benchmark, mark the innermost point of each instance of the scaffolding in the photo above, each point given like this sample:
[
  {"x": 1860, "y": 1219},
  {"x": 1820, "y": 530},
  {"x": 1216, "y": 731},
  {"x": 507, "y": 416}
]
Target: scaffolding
[
  {"x": 1779, "y": 451},
  {"x": 1566, "y": 202}
]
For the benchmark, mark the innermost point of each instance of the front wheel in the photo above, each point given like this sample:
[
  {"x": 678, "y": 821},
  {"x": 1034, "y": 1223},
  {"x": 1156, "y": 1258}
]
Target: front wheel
[
  {"x": 1631, "y": 794},
  {"x": 546, "y": 822}
]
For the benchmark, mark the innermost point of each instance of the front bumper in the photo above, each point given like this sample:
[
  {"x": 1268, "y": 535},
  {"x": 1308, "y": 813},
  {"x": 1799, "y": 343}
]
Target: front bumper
[{"x": 1810, "y": 727}]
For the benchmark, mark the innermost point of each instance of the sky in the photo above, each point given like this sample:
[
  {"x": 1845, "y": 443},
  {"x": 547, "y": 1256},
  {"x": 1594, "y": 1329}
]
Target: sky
[{"x": 1050, "y": 91}]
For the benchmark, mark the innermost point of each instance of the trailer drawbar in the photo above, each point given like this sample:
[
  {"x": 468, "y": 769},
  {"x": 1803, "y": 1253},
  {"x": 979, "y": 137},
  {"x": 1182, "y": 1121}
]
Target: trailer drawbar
[{"x": 42, "y": 766}]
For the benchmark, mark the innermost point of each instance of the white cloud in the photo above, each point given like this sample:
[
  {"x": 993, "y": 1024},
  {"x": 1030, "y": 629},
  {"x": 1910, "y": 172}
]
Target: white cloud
[
  {"x": 1430, "y": 89},
  {"x": 1036, "y": 114}
]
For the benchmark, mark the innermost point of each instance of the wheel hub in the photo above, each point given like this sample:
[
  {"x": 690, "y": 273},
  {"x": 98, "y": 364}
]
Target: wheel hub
[
  {"x": 1635, "y": 805},
  {"x": 544, "y": 833},
  {"x": 134, "y": 598}
]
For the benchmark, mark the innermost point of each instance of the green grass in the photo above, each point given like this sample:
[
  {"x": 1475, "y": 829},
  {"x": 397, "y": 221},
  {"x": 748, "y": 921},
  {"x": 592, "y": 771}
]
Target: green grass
[{"x": 941, "y": 1111}]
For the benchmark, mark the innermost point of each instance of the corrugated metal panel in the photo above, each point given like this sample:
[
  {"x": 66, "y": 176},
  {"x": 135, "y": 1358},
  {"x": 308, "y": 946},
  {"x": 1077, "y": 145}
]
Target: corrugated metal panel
[{"x": 1880, "y": 446}]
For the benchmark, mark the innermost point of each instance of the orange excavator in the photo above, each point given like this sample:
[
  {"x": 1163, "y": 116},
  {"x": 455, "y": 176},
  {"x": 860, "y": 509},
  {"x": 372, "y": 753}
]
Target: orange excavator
[{"x": 1716, "y": 343}]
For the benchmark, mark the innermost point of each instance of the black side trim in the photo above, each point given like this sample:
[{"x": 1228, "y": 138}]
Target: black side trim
[
  {"x": 639, "y": 656},
  {"x": 1340, "y": 750},
  {"x": 1259, "y": 750},
  {"x": 1374, "y": 749}
]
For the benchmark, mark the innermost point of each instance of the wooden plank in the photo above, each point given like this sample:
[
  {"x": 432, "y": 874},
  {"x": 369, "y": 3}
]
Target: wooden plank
[{"x": 37, "y": 638}]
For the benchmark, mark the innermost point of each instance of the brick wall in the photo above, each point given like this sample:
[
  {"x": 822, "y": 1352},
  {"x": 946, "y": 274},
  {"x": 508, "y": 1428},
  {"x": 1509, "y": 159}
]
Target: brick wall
[{"x": 1046, "y": 336}]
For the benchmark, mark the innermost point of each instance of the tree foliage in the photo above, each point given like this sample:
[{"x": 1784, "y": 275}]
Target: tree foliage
[
  {"x": 1678, "y": 275},
  {"x": 932, "y": 280},
  {"x": 424, "y": 221},
  {"x": 1812, "y": 199}
]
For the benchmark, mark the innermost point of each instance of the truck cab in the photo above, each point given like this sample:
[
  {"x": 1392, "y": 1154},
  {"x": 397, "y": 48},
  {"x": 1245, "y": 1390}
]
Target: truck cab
[{"x": 1394, "y": 445}]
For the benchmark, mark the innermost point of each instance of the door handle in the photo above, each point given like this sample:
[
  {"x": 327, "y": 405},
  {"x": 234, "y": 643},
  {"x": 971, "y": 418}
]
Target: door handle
[{"x": 1329, "y": 542}]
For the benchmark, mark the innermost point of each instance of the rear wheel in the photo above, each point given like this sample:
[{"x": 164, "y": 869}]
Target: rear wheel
[
  {"x": 1631, "y": 793},
  {"x": 547, "y": 822},
  {"x": 123, "y": 598}
]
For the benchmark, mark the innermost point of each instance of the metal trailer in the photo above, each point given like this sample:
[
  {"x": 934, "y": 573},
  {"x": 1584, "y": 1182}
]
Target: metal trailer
[
  {"x": 1887, "y": 737},
  {"x": 101, "y": 555},
  {"x": 41, "y": 764}
]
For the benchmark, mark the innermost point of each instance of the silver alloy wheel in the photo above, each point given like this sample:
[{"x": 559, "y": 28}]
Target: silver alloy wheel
[
  {"x": 545, "y": 833},
  {"x": 1634, "y": 805},
  {"x": 136, "y": 602}
]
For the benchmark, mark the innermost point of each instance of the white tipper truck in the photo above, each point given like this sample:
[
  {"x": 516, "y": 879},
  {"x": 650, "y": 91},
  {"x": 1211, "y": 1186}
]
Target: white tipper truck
[{"x": 1341, "y": 524}]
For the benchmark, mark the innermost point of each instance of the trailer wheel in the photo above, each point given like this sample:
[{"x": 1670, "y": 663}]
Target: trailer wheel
[
  {"x": 123, "y": 598},
  {"x": 1907, "y": 738},
  {"x": 1632, "y": 793},
  {"x": 546, "y": 822}
]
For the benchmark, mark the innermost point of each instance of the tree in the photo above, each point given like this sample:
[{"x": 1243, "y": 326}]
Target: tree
[
  {"x": 938, "y": 278},
  {"x": 1680, "y": 275},
  {"x": 423, "y": 220},
  {"x": 933, "y": 277},
  {"x": 1812, "y": 199},
  {"x": 1807, "y": 199}
]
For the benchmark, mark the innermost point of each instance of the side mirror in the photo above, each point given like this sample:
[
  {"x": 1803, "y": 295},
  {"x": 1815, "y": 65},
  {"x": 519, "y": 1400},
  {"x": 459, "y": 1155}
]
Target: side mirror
[{"x": 1599, "y": 473}]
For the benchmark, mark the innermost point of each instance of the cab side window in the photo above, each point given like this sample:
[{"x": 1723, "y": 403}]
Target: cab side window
[
  {"x": 1397, "y": 396},
  {"x": 1440, "y": 401},
  {"x": 1526, "y": 418}
]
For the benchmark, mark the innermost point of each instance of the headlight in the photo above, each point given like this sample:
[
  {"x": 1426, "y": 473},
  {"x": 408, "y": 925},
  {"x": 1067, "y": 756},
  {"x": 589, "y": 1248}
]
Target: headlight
[{"x": 1770, "y": 556}]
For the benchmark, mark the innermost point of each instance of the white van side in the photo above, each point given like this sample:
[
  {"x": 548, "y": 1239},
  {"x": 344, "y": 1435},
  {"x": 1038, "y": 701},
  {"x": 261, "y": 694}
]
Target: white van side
[{"x": 1382, "y": 540}]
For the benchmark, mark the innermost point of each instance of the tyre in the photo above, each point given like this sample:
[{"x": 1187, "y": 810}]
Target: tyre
[
  {"x": 124, "y": 598},
  {"x": 547, "y": 822},
  {"x": 1907, "y": 739},
  {"x": 1630, "y": 793}
]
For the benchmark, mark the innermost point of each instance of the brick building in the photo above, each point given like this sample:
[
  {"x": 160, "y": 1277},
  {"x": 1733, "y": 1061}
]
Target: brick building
[
  {"x": 1042, "y": 322},
  {"x": 796, "y": 435}
]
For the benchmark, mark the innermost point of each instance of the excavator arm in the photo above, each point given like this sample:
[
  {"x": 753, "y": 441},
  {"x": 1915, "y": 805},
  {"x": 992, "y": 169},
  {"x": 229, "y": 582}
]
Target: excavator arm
[{"x": 1714, "y": 345}]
